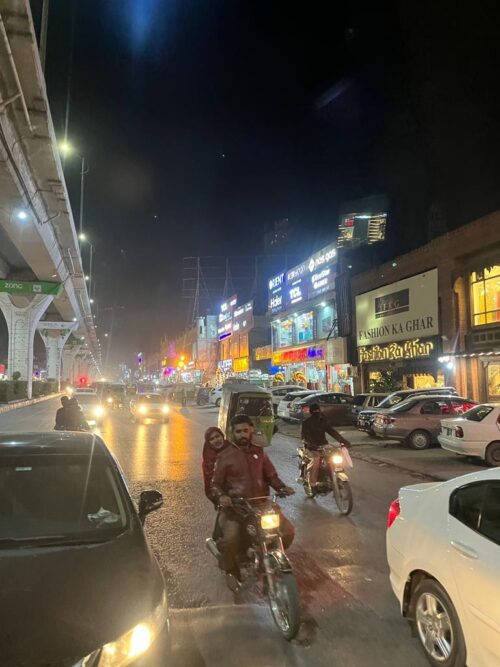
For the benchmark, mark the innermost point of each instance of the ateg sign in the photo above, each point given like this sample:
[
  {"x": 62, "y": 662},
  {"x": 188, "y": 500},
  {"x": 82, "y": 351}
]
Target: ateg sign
[{"x": 400, "y": 311}]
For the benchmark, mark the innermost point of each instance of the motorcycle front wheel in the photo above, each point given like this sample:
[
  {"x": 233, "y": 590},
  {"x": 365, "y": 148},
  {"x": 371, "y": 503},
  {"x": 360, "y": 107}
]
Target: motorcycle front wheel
[
  {"x": 285, "y": 604},
  {"x": 342, "y": 493}
]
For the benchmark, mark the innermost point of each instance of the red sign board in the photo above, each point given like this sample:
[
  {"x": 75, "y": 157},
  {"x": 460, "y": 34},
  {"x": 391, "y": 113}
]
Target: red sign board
[{"x": 2, "y": 369}]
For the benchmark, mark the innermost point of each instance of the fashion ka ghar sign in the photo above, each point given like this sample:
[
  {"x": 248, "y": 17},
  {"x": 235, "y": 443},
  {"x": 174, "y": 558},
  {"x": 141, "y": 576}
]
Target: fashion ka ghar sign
[{"x": 404, "y": 310}]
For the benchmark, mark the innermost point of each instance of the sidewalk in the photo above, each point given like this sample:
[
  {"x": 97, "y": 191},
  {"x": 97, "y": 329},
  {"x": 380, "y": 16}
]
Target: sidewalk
[
  {"x": 434, "y": 463},
  {"x": 25, "y": 402}
]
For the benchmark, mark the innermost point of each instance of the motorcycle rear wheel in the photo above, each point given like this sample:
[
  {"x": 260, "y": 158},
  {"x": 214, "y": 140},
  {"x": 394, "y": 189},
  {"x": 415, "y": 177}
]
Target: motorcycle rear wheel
[
  {"x": 342, "y": 493},
  {"x": 285, "y": 604}
]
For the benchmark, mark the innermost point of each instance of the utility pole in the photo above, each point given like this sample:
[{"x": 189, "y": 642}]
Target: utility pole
[{"x": 43, "y": 33}]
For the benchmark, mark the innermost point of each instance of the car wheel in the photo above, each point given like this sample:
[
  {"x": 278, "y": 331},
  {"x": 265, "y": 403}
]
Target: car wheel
[
  {"x": 217, "y": 403},
  {"x": 492, "y": 454},
  {"x": 437, "y": 626},
  {"x": 419, "y": 439}
]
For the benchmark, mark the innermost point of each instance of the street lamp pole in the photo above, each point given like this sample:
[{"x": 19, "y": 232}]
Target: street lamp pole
[
  {"x": 43, "y": 33},
  {"x": 82, "y": 193}
]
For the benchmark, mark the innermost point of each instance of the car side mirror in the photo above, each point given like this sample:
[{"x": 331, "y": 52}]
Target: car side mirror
[{"x": 149, "y": 502}]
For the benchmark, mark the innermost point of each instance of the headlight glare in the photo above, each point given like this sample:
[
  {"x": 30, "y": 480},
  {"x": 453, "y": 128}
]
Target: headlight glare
[
  {"x": 110, "y": 400},
  {"x": 99, "y": 411},
  {"x": 136, "y": 642},
  {"x": 143, "y": 409},
  {"x": 337, "y": 460},
  {"x": 270, "y": 521},
  {"x": 165, "y": 409}
]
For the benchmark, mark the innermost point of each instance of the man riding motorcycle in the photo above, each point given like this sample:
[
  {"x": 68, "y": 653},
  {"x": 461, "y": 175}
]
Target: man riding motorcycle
[
  {"x": 313, "y": 435},
  {"x": 70, "y": 416},
  {"x": 243, "y": 470}
]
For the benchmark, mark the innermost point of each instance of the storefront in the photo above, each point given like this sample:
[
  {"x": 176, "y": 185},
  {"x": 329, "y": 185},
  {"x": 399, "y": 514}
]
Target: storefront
[
  {"x": 397, "y": 330},
  {"x": 302, "y": 365}
]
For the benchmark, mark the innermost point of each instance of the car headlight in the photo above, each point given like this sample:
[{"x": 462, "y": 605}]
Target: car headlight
[
  {"x": 337, "y": 460},
  {"x": 110, "y": 400},
  {"x": 99, "y": 411},
  {"x": 134, "y": 643},
  {"x": 270, "y": 521},
  {"x": 69, "y": 391},
  {"x": 165, "y": 409},
  {"x": 142, "y": 409}
]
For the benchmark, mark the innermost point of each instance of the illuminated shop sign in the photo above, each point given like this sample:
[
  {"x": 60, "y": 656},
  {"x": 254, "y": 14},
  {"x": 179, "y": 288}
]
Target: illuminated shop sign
[
  {"x": 297, "y": 355},
  {"x": 262, "y": 353},
  {"x": 241, "y": 365},
  {"x": 408, "y": 349},
  {"x": 304, "y": 281},
  {"x": 233, "y": 318}
]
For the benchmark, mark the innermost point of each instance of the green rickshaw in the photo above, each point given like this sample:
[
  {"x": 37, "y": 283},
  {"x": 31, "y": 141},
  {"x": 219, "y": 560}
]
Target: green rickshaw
[{"x": 253, "y": 401}]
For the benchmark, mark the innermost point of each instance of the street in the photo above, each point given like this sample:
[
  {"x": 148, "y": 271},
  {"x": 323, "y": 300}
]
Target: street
[{"x": 349, "y": 614}]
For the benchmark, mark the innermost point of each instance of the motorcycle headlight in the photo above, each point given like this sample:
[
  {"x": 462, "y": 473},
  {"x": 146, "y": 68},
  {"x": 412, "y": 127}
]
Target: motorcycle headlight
[
  {"x": 337, "y": 460},
  {"x": 110, "y": 400},
  {"x": 143, "y": 409},
  {"x": 99, "y": 411},
  {"x": 270, "y": 521},
  {"x": 165, "y": 409},
  {"x": 134, "y": 643}
]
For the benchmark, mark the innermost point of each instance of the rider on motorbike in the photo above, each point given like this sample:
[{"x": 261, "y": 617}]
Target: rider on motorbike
[
  {"x": 243, "y": 470},
  {"x": 70, "y": 416},
  {"x": 313, "y": 435},
  {"x": 214, "y": 444}
]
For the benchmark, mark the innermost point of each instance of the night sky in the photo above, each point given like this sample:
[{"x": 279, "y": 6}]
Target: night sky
[{"x": 203, "y": 122}]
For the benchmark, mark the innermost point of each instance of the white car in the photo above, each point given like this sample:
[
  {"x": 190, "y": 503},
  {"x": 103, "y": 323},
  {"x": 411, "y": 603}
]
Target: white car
[
  {"x": 93, "y": 408},
  {"x": 215, "y": 396},
  {"x": 288, "y": 398},
  {"x": 443, "y": 549},
  {"x": 279, "y": 392},
  {"x": 475, "y": 433}
]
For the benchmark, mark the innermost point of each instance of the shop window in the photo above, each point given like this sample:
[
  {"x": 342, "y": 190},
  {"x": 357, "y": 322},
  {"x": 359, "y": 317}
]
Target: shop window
[
  {"x": 485, "y": 288},
  {"x": 286, "y": 333},
  {"x": 244, "y": 345},
  {"x": 493, "y": 377},
  {"x": 305, "y": 327}
]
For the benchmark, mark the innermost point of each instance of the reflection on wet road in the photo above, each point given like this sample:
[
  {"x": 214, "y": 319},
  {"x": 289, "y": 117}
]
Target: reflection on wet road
[{"x": 350, "y": 615}]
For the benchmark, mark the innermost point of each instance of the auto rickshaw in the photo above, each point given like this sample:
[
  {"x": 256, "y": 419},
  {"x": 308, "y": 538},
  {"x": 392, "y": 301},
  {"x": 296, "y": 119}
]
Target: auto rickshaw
[{"x": 250, "y": 400}]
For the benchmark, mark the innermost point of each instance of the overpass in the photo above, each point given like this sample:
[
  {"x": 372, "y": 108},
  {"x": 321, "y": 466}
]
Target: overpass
[{"x": 42, "y": 282}]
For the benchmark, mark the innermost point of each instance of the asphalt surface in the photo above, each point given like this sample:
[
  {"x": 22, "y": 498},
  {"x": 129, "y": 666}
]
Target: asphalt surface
[{"x": 349, "y": 614}]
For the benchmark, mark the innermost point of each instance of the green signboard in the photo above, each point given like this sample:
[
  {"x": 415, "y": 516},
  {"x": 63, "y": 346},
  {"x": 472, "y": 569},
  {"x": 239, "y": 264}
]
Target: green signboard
[{"x": 24, "y": 287}]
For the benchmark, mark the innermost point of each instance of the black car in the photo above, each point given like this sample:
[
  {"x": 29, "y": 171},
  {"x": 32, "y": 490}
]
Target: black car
[
  {"x": 336, "y": 407},
  {"x": 80, "y": 585},
  {"x": 365, "y": 417}
]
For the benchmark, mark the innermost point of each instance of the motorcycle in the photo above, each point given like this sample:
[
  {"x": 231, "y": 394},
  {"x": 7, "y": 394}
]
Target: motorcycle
[
  {"x": 332, "y": 477},
  {"x": 263, "y": 558}
]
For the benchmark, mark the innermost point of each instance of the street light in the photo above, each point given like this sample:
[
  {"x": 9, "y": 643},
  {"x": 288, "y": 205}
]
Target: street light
[{"x": 66, "y": 149}]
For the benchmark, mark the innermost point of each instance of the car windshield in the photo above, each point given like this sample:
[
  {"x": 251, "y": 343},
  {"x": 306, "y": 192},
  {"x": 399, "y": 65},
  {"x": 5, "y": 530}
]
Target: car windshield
[
  {"x": 255, "y": 406},
  {"x": 151, "y": 398},
  {"x": 478, "y": 413},
  {"x": 59, "y": 498},
  {"x": 403, "y": 406}
]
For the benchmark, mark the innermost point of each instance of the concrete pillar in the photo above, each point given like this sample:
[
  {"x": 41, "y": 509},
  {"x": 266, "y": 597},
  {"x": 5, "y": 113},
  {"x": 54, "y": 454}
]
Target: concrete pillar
[
  {"x": 69, "y": 355},
  {"x": 55, "y": 335},
  {"x": 21, "y": 324}
]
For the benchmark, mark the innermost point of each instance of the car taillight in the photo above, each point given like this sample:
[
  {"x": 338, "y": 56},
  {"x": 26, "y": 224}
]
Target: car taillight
[
  {"x": 305, "y": 408},
  {"x": 394, "y": 511},
  {"x": 459, "y": 432},
  {"x": 388, "y": 420}
]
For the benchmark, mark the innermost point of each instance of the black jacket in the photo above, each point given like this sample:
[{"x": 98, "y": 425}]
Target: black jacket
[{"x": 314, "y": 430}]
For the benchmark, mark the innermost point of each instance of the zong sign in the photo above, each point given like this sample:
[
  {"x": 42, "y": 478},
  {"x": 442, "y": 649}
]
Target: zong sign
[{"x": 26, "y": 288}]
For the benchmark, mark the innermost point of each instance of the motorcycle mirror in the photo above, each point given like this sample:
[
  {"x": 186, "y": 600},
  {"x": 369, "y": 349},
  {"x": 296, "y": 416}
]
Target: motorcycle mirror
[{"x": 149, "y": 502}]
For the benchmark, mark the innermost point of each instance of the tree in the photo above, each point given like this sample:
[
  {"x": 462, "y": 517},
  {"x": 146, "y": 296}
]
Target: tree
[{"x": 386, "y": 382}]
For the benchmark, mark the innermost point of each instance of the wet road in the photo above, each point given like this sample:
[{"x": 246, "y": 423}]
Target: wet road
[{"x": 350, "y": 616}]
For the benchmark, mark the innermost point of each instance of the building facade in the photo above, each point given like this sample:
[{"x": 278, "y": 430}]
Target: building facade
[
  {"x": 432, "y": 317},
  {"x": 303, "y": 313}
]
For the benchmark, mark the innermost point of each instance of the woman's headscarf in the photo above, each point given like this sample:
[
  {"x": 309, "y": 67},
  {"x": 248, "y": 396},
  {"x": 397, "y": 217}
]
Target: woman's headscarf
[{"x": 210, "y": 432}]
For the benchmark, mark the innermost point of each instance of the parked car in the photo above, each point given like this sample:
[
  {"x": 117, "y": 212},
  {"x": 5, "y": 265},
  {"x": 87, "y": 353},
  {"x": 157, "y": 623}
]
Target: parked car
[
  {"x": 149, "y": 406},
  {"x": 279, "y": 391},
  {"x": 476, "y": 433},
  {"x": 78, "y": 577},
  {"x": 365, "y": 418},
  {"x": 286, "y": 402},
  {"x": 336, "y": 407},
  {"x": 366, "y": 401},
  {"x": 215, "y": 396},
  {"x": 417, "y": 420},
  {"x": 443, "y": 550}
]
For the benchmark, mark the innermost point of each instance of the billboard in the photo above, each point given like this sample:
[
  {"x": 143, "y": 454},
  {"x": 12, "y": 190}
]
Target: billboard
[
  {"x": 403, "y": 310},
  {"x": 307, "y": 280},
  {"x": 356, "y": 229}
]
